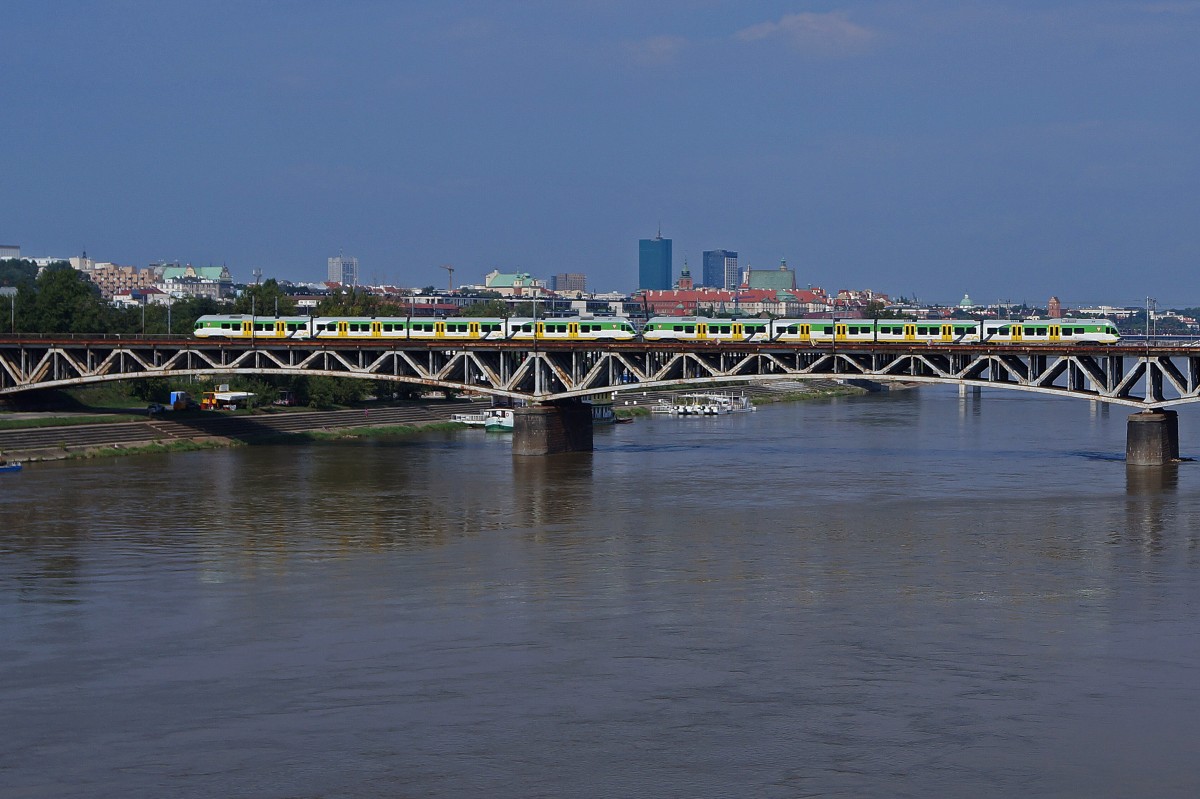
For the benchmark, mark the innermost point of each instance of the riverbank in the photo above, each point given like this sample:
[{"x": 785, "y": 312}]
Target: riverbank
[{"x": 79, "y": 437}]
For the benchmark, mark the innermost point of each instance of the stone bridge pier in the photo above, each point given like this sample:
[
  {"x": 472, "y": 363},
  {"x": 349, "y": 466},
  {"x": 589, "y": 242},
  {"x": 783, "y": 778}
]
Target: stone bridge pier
[
  {"x": 1152, "y": 438},
  {"x": 552, "y": 428}
]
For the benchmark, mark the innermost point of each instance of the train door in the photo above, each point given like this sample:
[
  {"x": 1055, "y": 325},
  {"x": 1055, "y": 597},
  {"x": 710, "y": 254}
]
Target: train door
[
  {"x": 572, "y": 330},
  {"x": 280, "y": 328},
  {"x": 701, "y": 331},
  {"x": 247, "y": 329},
  {"x": 839, "y": 332},
  {"x": 473, "y": 330},
  {"x": 947, "y": 333},
  {"x": 376, "y": 329},
  {"x": 439, "y": 329},
  {"x": 1055, "y": 332},
  {"x": 910, "y": 332},
  {"x": 1016, "y": 332},
  {"x": 739, "y": 331},
  {"x": 539, "y": 330},
  {"x": 806, "y": 333},
  {"x": 343, "y": 329}
]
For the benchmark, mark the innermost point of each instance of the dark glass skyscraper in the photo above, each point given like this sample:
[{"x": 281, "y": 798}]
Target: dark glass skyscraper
[
  {"x": 720, "y": 269},
  {"x": 654, "y": 263}
]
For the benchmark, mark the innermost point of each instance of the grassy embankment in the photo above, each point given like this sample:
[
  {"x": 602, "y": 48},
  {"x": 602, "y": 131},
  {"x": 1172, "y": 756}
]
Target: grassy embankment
[{"x": 816, "y": 393}]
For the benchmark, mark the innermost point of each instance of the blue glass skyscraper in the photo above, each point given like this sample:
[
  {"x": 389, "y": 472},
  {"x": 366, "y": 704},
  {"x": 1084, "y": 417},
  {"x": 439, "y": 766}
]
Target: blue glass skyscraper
[
  {"x": 654, "y": 263},
  {"x": 721, "y": 269}
]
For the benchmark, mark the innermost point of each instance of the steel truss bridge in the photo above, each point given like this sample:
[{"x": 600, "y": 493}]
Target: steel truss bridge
[{"x": 1145, "y": 376}]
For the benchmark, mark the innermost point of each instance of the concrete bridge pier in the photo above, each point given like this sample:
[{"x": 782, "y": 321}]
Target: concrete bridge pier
[
  {"x": 1152, "y": 438},
  {"x": 553, "y": 428}
]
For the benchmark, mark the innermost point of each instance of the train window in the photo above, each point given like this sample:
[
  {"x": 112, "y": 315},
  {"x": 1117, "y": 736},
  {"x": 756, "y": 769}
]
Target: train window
[
  {"x": 689, "y": 329},
  {"x": 1004, "y": 331}
]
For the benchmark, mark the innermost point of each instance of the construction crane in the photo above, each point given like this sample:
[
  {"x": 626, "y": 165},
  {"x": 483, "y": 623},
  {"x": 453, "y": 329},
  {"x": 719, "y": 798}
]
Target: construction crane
[{"x": 449, "y": 277}]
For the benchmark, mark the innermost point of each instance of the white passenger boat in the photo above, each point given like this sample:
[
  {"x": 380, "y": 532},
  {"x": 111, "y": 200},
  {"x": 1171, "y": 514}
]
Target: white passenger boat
[
  {"x": 711, "y": 405},
  {"x": 497, "y": 420}
]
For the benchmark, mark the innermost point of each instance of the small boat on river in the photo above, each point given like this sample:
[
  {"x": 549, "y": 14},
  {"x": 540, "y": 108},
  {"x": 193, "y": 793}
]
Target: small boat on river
[
  {"x": 496, "y": 420},
  {"x": 5, "y": 466},
  {"x": 706, "y": 405}
]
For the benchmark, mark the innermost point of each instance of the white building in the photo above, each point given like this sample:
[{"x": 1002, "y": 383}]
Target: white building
[{"x": 343, "y": 270}]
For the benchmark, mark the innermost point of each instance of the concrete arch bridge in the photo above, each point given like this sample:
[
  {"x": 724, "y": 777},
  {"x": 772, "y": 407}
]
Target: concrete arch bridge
[{"x": 554, "y": 377}]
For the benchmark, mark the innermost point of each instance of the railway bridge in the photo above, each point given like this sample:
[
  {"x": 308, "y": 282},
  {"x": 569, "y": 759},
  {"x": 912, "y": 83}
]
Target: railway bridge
[{"x": 554, "y": 377}]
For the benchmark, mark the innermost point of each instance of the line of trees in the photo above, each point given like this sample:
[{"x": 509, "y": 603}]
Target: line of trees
[{"x": 62, "y": 299}]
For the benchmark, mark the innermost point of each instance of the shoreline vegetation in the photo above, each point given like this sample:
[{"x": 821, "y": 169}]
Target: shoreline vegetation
[{"x": 64, "y": 451}]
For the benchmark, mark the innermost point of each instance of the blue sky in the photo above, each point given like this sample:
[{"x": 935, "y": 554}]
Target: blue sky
[{"x": 1005, "y": 148}]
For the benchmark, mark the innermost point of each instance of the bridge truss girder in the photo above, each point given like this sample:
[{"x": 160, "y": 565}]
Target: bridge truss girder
[{"x": 1143, "y": 377}]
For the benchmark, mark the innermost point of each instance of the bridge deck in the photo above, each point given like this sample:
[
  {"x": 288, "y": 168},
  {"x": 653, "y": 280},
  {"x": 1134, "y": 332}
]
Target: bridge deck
[{"x": 1142, "y": 375}]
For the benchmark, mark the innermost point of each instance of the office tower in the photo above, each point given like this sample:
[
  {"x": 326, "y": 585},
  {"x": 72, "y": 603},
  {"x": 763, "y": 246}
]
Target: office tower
[
  {"x": 721, "y": 269},
  {"x": 654, "y": 263},
  {"x": 343, "y": 270},
  {"x": 571, "y": 281}
]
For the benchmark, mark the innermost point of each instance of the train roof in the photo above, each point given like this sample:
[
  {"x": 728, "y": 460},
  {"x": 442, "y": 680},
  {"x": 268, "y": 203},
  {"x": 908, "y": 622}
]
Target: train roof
[{"x": 245, "y": 317}]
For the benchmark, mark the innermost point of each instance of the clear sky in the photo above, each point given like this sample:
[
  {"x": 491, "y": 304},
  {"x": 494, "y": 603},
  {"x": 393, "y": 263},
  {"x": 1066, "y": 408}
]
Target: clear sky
[{"x": 1007, "y": 148}]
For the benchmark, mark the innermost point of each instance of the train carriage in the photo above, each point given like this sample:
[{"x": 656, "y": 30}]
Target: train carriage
[
  {"x": 610, "y": 328},
  {"x": 247, "y": 326},
  {"x": 401, "y": 327}
]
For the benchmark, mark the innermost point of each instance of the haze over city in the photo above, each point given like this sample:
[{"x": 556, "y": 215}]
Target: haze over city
[{"x": 1013, "y": 150}]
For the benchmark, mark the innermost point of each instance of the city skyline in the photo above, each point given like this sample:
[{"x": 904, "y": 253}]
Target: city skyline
[{"x": 1012, "y": 150}]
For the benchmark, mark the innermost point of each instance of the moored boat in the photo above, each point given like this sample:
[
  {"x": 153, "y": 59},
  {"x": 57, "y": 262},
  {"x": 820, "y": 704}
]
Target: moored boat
[{"x": 498, "y": 420}]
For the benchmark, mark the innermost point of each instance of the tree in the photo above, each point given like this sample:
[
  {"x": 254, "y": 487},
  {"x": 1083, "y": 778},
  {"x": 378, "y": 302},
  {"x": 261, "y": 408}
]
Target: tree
[
  {"x": 263, "y": 299},
  {"x": 490, "y": 308},
  {"x": 15, "y": 271},
  {"x": 876, "y": 310},
  {"x": 61, "y": 300},
  {"x": 185, "y": 312},
  {"x": 352, "y": 302}
]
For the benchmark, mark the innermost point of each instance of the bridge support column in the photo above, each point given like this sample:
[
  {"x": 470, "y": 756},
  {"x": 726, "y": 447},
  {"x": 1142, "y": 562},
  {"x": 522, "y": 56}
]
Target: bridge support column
[
  {"x": 1152, "y": 438},
  {"x": 550, "y": 429}
]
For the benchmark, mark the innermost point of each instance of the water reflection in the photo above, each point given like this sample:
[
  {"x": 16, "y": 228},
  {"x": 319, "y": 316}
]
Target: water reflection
[
  {"x": 552, "y": 491},
  {"x": 1150, "y": 505}
]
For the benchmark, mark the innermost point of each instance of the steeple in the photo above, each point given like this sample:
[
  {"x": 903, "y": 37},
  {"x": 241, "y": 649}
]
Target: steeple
[{"x": 685, "y": 277}]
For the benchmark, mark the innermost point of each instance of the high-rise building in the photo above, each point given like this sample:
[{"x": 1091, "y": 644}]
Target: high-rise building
[
  {"x": 721, "y": 269},
  {"x": 654, "y": 263},
  {"x": 571, "y": 281},
  {"x": 343, "y": 270}
]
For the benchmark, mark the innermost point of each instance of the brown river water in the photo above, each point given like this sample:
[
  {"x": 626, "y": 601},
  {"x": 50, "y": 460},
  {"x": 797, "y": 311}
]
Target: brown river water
[{"x": 909, "y": 595}]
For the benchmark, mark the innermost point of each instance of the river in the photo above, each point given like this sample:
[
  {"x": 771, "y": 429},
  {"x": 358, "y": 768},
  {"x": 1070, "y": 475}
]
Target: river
[{"x": 908, "y": 595}]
